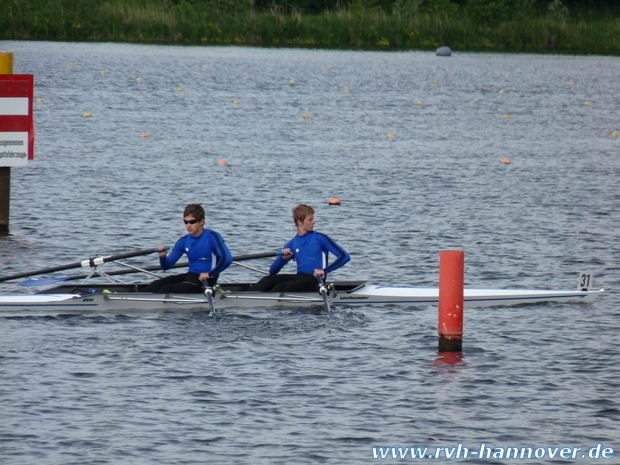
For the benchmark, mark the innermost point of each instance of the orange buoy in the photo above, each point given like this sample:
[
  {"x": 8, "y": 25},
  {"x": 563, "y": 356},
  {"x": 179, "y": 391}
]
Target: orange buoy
[
  {"x": 222, "y": 162},
  {"x": 506, "y": 161},
  {"x": 144, "y": 134},
  {"x": 334, "y": 201}
]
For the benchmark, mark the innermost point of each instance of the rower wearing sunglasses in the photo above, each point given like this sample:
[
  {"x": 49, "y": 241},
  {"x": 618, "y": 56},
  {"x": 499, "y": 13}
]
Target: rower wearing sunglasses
[{"x": 206, "y": 250}]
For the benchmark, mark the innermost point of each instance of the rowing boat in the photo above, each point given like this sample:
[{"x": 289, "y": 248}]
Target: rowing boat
[
  {"x": 81, "y": 298},
  {"x": 119, "y": 296}
]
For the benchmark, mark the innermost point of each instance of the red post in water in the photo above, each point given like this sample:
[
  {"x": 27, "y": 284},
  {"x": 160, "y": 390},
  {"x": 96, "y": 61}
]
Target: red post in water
[{"x": 451, "y": 280}]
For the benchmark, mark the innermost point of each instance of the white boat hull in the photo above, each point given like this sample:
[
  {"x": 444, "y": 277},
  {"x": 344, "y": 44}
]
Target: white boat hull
[{"x": 72, "y": 299}]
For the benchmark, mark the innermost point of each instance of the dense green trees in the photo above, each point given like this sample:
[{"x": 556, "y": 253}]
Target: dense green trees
[{"x": 506, "y": 25}]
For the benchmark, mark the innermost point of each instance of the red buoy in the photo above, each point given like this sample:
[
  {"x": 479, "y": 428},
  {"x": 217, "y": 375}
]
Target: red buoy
[{"x": 451, "y": 282}]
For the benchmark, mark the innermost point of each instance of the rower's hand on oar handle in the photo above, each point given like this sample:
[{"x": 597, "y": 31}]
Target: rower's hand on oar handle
[
  {"x": 287, "y": 254},
  {"x": 162, "y": 250},
  {"x": 203, "y": 278},
  {"x": 318, "y": 273}
]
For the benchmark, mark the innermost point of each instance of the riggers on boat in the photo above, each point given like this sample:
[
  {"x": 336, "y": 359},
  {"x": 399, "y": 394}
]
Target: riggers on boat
[{"x": 80, "y": 298}]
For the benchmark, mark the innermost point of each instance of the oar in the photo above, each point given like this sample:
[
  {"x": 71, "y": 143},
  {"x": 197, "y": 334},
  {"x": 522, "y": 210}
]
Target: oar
[
  {"x": 91, "y": 262},
  {"x": 257, "y": 255},
  {"x": 209, "y": 296},
  {"x": 323, "y": 291},
  {"x": 46, "y": 281}
]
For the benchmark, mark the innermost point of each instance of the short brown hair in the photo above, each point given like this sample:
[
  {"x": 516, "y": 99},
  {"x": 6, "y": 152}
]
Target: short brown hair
[
  {"x": 301, "y": 212},
  {"x": 195, "y": 210}
]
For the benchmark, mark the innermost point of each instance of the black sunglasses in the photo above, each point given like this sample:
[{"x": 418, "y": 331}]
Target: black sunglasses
[{"x": 190, "y": 221}]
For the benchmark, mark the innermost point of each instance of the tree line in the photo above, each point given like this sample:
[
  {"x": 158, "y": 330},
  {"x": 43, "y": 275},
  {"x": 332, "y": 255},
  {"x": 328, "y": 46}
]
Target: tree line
[
  {"x": 493, "y": 25},
  {"x": 488, "y": 7}
]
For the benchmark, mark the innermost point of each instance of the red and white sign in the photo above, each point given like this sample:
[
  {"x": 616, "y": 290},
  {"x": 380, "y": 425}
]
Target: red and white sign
[{"x": 16, "y": 119}]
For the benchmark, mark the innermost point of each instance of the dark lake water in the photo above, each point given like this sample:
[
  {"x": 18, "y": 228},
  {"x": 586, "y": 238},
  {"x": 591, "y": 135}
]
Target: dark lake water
[{"x": 412, "y": 145}]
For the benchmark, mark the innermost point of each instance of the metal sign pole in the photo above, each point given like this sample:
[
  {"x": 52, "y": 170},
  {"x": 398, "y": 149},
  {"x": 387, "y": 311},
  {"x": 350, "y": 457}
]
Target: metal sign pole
[{"x": 6, "y": 67}]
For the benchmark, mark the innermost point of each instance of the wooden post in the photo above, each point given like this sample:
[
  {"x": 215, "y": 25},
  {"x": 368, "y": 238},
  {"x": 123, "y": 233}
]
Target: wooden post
[
  {"x": 6, "y": 67},
  {"x": 451, "y": 283}
]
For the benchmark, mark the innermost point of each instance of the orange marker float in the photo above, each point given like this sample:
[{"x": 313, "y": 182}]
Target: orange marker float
[
  {"x": 334, "y": 201},
  {"x": 451, "y": 300}
]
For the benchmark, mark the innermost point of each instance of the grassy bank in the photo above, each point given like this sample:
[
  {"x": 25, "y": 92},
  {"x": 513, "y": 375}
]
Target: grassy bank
[{"x": 160, "y": 21}]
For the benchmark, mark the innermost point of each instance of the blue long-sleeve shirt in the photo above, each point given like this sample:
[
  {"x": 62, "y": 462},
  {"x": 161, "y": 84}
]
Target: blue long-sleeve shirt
[
  {"x": 207, "y": 253},
  {"x": 310, "y": 252}
]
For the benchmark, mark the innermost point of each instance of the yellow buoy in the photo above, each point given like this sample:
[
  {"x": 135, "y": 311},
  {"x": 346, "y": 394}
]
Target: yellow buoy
[
  {"x": 222, "y": 162},
  {"x": 139, "y": 79},
  {"x": 87, "y": 115},
  {"x": 71, "y": 64},
  {"x": 39, "y": 100},
  {"x": 329, "y": 67},
  {"x": 506, "y": 161},
  {"x": 292, "y": 81},
  {"x": 614, "y": 134},
  {"x": 237, "y": 101},
  {"x": 379, "y": 75},
  {"x": 334, "y": 201},
  {"x": 571, "y": 83},
  {"x": 389, "y": 134},
  {"x": 347, "y": 91},
  {"x": 435, "y": 82},
  {"x": 586, "y": 103},
  {"x": 419, "y": 102},
  {"x": 180, "y": 89},
  {"x": 144, "y": 134},
  {"x": 306, "y": 115},
  {"x": 501, "y": 92},
  {"x": 506, "y": 116}
]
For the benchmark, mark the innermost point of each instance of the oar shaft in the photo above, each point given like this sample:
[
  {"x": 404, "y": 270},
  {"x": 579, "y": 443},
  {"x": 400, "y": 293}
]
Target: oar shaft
[
  {"x": 181, "y": 265},
  {"x": 84, "y": 263},
  {"x": 100, "y": 260},
  {"x": 323, "y": 292},
  {"x": 239, "y": 258}
]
